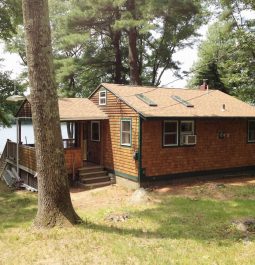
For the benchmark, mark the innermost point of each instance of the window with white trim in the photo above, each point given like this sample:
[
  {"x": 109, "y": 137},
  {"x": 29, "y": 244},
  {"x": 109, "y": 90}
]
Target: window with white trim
[
  {"x": 186, "y": 128},
  {"x": 170, "y": 133},
  {"x": 126, "y": 132},
  {"x": 102, "y": 97},
  {"x": 251, "y": 131},
  {"x": 95, "y": 131}
]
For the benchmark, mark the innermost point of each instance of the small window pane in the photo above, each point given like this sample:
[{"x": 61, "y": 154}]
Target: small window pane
[
  {"x": 126, "y": 132},
  {"x": 69, "y": 134},
  {"x": 251, "y": 131},
  {"x": 102, "y": 101},
  {"x": 102, "y": 98},
  {"x": 126, "y": 138},
  {"x": 170, "y": 127},
  {"x": 126, "y": 126},
  {"x": 170, "y": 139},
  {"x": 186, "y": 127}
]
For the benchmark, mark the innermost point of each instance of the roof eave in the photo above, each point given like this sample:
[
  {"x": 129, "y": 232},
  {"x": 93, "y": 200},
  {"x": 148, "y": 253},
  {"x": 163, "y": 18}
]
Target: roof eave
[
  {"x": 199, "y": 117},
  {"x": 95, "y": 90},
  {"x": 83, "y": 118}
]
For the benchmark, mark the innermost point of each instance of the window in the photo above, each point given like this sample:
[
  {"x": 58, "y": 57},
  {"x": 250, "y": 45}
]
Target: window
[
  {"x": 186, "y": 128},
  {"x": 170, "y": 134},
  {"x": 251, "y": 131},
  {"x": 95, "y": 131},
  {"x": 178, "y": 133},
  {"x": 126, "y": 127},
  {"x": 69, "y": 132},
  {"x": 102, "y": 97}
]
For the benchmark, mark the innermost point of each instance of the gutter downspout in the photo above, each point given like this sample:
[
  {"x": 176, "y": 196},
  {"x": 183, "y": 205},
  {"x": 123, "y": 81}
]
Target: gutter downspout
[{"x": 140, "y": 173}]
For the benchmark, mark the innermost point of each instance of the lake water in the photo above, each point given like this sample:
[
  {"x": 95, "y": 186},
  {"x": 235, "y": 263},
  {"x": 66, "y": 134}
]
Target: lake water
[{"x": 27, "y": 134}]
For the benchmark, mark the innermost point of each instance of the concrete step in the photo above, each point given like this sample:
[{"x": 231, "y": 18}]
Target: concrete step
[
  {"x": 92, "y": 174},
  {"x": 104, "y": 178},
  {"x": 90, "y": 169},
  {"x": 96, "y": 185}
]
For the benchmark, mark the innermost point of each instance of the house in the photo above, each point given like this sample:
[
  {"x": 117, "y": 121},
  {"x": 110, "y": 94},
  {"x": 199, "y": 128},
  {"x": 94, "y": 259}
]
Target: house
[{"x": 146, "y": 134}]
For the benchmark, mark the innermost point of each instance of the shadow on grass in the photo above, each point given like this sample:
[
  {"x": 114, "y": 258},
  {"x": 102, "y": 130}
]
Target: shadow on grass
[
  {"x": 16, "y": 209},
  {"x": 185, "y": 218},
  {"x": 173, "y": 217}
]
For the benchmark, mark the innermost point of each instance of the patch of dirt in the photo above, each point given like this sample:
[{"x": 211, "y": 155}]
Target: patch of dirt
[
  {"x": 116, "y": 195},
  {"x": 101, "y": 197},
  {"x": 214, "y": 188}
]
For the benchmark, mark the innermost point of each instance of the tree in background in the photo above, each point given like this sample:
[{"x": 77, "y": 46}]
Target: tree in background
[
  {"x": 212, "y": 54},
  {"x": 227, "y": 56},
  {"x": 119, "y": 41},
  {"x": 136, "y": 37},
  {"x": 8, "y": 87},
  {"x": 10, "y": 17},
  {"x": 54, "y": 202}
]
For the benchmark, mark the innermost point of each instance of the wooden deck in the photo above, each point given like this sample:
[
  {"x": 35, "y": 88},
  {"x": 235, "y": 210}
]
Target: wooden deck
[
  {"x": 27, "y": 157},
  {"x": 90, "y": 175}
]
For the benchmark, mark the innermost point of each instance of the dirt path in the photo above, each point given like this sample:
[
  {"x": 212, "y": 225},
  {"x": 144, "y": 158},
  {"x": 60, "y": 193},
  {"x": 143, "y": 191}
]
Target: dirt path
[
  {"x": 117, "y": 195},
  {"x": 101, "y": 197}
]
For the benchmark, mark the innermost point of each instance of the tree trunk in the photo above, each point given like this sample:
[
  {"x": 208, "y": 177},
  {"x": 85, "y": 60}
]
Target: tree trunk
[
  {"x": 132, "y": 48},
  {"x": 117, "y": 52},
  {"x": 54, "y": 202}
]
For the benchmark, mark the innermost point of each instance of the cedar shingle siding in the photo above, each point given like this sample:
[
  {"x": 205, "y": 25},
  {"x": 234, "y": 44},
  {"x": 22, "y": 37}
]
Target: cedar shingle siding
[
  {"x": 209, "y": 153},
  {"x": 115, "y": 156}
]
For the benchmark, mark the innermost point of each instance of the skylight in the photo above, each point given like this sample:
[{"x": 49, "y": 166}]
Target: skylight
[
  {"x": 182, "y": 101},
  {"x": 146, "y": 100}
]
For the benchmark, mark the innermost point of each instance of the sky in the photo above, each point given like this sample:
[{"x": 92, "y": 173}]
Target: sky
[
  {"x": 12, "y": 62},
  {"x": 187, "y": 57}
]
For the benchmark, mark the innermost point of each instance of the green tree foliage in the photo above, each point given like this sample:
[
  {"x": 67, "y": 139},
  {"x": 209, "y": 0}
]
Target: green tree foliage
[
  {"x": 8, "y": 87},
  {"x": 227, "y": 56},
  {"x": 120, "y": 41},
  {"x": 105, "y": 32},
  {"x": 10, "y": 17},
  {"x": 212, "y": 55}
]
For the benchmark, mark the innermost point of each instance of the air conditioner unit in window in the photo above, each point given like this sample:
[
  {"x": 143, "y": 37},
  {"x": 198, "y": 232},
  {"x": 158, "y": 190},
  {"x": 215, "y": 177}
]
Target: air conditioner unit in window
[{"x": 189, "y": 139}]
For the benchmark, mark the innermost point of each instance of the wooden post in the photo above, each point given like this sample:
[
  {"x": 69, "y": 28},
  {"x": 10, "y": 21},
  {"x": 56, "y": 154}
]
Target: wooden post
[
  {"x": 19, "y": 122},
  {"x": 17, "y": 145}
]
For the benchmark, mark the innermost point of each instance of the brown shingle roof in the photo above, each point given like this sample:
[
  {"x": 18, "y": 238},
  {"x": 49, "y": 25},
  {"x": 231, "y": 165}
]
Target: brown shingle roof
[
  {"x": 79, "y": 109},
  {"x": 70, "y": 109},
  {"x": 206, "y": 104}
]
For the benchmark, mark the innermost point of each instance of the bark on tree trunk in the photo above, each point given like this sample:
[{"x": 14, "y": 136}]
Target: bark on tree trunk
[
  {"x": 118, "y": 61},
  {"x": 132, "y": 48},
  {"x": 54, "y": 202}
]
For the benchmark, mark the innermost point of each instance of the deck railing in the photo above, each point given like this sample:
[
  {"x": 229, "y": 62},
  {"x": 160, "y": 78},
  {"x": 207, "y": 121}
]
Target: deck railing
[
  {"x": 27, "y": 156},
  {"x": 4, "y": 153},
  {"x": 11, "y": 150}
]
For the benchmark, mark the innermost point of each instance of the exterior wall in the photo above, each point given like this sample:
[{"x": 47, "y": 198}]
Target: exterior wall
[
  {"x": 209, "y": 153},
  {"x": 25, "y": 110},
  {"x": 114, "y": 156}
]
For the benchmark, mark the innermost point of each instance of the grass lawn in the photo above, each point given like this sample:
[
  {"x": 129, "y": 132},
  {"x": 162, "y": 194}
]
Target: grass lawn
[{"x": 179, "y": 225}]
